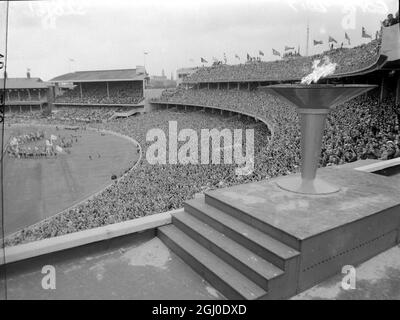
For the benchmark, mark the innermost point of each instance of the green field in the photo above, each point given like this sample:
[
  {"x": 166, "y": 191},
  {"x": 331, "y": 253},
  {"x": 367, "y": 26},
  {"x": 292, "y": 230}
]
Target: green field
[{"x": 35, "y": 189}]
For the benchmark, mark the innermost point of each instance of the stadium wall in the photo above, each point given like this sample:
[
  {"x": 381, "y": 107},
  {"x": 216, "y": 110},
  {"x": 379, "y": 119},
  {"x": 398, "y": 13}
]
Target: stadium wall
[{"x": 54, "y": 245}]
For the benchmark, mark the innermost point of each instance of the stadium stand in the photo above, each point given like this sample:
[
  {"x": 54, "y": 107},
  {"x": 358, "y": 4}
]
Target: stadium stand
[
  {"x": 347, "y": 59},
  {"x": 24, "y": 93},
  {"x": 81, "y": 114},
  {"x": 354, "y": 128},
  {"x": 103, "y": 87},
  {"x": 364, "y": 128},
  {"x": 354, "y": 131}
]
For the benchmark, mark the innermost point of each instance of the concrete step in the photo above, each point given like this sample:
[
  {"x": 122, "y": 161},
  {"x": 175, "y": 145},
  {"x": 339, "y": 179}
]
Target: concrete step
[
  {"x": 248, "y": 263},
  {"x": 230, "y": 282},
  {"x": 245, "y": 217},
  {"x": 251, "y": 238}
]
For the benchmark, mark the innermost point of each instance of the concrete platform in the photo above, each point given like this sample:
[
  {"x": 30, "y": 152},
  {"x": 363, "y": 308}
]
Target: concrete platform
[
  {"x": 348, "y": 227},
  {"x": 301, "y": 216}
]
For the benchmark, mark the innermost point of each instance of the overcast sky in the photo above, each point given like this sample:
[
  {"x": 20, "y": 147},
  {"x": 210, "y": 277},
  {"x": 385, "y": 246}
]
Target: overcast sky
[{"x": 113, "y": 34}]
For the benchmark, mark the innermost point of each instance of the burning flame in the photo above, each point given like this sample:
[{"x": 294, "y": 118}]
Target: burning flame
[{"x": 319, "y": 71}]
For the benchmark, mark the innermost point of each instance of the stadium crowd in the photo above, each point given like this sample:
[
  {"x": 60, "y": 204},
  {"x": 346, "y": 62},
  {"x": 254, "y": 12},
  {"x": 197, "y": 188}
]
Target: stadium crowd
[
  {"x": 82, "y": 114},
  {"x": 96, "y": 93},
  {"x": 71, "y": 114},
  {"x": 390, "y": 20},
  {"x": 347, "y": 59},
  {"x": 149, "y": 188},
  {"x": 360, "y": 129},
  {"x": 24, "y": 95}
]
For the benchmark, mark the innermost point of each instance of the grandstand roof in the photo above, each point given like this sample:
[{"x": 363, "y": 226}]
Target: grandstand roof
[
  {"x": 101, "y": 75},
  {"x": 23, "y": 83}
]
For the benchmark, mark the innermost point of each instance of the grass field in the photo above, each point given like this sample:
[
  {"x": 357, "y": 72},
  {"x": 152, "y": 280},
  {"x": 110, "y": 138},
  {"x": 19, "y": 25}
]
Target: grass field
[{"x": 35, "y": 189}]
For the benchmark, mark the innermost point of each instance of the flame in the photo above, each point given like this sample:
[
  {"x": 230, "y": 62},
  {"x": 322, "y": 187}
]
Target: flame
[{"x": 319, "y": 71}]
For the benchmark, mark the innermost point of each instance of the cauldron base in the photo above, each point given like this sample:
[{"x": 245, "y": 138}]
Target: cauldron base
[{"x": 313, "y": 187}]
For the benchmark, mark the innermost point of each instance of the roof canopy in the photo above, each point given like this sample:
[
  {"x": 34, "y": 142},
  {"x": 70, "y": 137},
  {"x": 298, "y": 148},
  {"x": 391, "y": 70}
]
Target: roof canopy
[
  {"x": 100, "y": 75},
  {"x": 24, "y": 83}
]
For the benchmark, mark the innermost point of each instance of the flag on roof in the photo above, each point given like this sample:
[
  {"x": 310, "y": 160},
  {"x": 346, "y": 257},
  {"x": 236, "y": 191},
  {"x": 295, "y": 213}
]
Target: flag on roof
[
  {"x": 364, "y": 33},
  {"x": 203, "y": 60},
  {"x": 347, "y": 37},
  {"x": 275, "y": 52},
  {"x": 331, "y": 39},
  {"x": 317, "y": 42},
  {"x": 260, "y": 53},
  {"x": 288, "y": 48}
]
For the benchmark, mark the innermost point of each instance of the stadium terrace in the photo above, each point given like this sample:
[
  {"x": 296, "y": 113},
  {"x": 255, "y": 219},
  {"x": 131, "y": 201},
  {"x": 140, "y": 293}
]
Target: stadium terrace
[{"x": 188, "y": 153}]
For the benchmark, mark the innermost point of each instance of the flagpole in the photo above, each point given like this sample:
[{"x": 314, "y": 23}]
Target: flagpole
[
  {"x": 144, "y": 59},
  {"x": 70, "y": 60}
]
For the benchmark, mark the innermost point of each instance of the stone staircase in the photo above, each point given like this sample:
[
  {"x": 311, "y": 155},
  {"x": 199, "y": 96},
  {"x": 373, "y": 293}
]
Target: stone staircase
[{"x": 240, "y": 256}]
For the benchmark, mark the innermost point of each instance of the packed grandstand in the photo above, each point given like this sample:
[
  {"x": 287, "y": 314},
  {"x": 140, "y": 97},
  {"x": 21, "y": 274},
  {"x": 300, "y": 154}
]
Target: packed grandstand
[
  {"x": 24, "y": 95},
  {"x": 364, "y": 128},
  {"x": 24, "y": 89},
  {"x": 106, "y": 87},
  {"x": 347, "y": 60},
  {"x": 96, "y": 93}
]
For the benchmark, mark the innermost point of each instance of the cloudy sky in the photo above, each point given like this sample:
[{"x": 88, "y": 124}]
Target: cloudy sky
[{"x": 45, "y": 35}]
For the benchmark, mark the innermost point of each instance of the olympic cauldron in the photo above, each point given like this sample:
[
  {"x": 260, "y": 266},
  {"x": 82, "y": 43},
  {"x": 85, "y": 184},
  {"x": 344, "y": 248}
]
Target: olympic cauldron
[{"x": 313, "y": 103}]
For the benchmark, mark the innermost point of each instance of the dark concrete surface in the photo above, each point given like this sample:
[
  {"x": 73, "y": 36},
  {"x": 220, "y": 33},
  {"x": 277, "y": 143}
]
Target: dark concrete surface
[
  {"x": 142, "y": 269},
  {"x": 148, "y": 270},
  {"x": 376, "y": 279}
]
